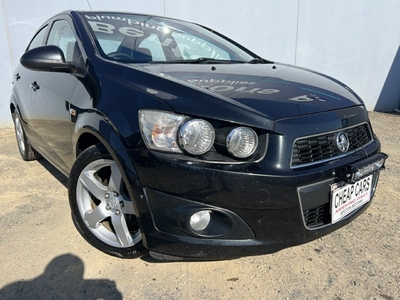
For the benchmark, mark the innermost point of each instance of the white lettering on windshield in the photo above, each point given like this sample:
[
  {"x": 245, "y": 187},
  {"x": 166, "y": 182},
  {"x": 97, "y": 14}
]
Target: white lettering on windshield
[
  {"x": 132, "y": 22},
  {"x": 188, "y": 46},
  {"x": 109, "y": 29}
]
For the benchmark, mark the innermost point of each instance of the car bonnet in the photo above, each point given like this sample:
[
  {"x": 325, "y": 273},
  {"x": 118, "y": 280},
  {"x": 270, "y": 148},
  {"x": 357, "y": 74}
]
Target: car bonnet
[{"x": 277, "y": 91}]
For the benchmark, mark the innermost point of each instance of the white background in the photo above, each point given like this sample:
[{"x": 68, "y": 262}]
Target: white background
[{"x": 355, "y": 41}]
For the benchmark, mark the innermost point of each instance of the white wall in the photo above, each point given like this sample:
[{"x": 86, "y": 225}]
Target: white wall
[{"x": 354, "y": 41}]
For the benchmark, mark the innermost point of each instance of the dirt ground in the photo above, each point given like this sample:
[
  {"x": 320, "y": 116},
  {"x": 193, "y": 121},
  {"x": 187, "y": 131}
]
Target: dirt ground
[{"x": 44, "y": 257}]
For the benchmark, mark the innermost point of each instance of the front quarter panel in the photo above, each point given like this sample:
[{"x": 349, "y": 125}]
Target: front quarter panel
[{"x": 113, "y": 121}]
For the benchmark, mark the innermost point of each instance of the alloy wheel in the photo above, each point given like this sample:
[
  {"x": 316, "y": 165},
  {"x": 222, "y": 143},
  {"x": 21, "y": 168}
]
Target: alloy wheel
[{"x": 104, "y": 205}]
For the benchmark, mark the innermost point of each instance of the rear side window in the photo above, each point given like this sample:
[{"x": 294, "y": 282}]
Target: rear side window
[
  {"x": 61, "y": 35},
  {"x": 38, "y": 40}
]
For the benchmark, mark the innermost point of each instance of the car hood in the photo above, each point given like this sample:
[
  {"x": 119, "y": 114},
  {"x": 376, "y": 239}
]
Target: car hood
[
  {"x": 275, "y": 90},
  {"x": 255, "y": 95}
]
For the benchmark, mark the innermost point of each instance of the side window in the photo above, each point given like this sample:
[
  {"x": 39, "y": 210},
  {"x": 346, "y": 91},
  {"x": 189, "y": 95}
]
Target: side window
[
  {"x": 38, "y": 40},
  {"x": 61, "y": 35}
]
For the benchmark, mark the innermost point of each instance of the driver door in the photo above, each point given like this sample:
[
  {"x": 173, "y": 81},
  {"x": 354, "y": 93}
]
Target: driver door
[{"x": 51, "y": 100}]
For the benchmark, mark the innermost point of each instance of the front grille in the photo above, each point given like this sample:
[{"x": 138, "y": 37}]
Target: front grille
[
  {"x": 317, "y": 217},
  {"x": 323, "y": 147}
]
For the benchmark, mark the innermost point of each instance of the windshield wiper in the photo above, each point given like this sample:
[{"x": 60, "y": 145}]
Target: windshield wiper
[
  {"x": 200, "y": 60},
  {"x": 259, "y": 60}
]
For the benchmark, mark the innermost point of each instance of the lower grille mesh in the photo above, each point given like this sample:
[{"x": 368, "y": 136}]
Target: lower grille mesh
[{"x": 317, "y": 216}]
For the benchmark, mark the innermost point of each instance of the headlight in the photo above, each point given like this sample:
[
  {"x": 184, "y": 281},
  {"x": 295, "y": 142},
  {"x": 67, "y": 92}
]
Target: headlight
[
  {"x": 241, "y": 142},
  {"x": 166, "y": 131},
  {"x": 196, "y": 136},
  {"x": 159, "y": 129}
]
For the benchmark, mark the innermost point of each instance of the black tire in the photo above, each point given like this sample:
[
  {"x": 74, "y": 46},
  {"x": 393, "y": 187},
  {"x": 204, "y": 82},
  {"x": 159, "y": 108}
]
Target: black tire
[
  {"x": 100, "y": 206},
  {"x": 25, "y": 149}
]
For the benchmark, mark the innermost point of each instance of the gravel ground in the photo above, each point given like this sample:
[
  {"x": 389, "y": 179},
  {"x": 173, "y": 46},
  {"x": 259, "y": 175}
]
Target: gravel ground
[{"x": 43, "y": 256}]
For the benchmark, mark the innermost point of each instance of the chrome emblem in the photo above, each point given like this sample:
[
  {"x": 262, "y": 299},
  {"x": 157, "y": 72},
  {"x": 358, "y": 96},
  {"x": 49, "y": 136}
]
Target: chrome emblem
[{"x": 342, "y": 142}]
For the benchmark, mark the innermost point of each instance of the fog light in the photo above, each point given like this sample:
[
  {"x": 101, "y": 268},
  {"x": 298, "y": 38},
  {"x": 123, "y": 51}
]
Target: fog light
[{"x": 200, "y": 220}]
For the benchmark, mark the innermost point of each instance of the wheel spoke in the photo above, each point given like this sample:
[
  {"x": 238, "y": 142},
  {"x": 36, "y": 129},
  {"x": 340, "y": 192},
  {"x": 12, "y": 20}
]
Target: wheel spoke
[
  {"x": 92, "y": 185},
  {"x": 128, "y": 206},
  {"x": 94, "y": 217},
  {"x": 116, "y": 185},
  {"x": 121, "y": 230},
  {"x": 115, "y": 178}
]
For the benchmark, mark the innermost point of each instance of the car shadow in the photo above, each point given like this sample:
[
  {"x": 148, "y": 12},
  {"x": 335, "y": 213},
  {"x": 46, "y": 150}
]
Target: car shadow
[
  {"x": 54, "y": 171},
  {"x": 389, "y": 98},
  {"x": 62, "y": 279}
]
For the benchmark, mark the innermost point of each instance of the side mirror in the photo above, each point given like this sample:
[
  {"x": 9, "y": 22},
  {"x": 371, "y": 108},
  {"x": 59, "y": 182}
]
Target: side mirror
[{"x": 48, "y": 58}]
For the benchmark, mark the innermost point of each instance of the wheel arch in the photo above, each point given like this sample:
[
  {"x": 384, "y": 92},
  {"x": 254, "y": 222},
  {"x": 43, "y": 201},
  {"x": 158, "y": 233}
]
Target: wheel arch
[
  {"x": 12, "y": 108},
  {"x": 15, "y": 107},
  {"x": 14, "y": 101},
  {"x": 92, "y": 129}
]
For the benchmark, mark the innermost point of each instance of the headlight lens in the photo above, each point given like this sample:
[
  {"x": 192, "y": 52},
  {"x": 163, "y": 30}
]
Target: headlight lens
[
  {"x": 159, "y": 129},
  {"x": 241, "y": 142},
  {"x": 166, "y": 131},
  {"x": 196, "y": 136}
]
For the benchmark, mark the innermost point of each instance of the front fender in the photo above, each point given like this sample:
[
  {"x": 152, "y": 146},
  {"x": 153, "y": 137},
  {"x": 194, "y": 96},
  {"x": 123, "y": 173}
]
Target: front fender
[{"x": 95, "y": 125}]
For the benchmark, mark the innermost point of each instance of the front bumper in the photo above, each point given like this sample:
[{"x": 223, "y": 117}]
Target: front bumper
[
  {"x": 251, "y": 213},
  {"x": 256, "y": 207}
]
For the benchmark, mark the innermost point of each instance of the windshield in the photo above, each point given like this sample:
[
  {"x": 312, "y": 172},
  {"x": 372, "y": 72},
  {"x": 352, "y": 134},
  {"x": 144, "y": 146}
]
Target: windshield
[{"x": 144, "y": 39}]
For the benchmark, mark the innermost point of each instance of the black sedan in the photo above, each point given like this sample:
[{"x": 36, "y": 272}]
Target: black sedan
[{"x": 180, "y": 142}]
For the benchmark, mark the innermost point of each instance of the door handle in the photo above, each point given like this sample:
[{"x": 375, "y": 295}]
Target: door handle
[
  {"x": 17, "y": 77},
  {"x": 35, "y": 86}
]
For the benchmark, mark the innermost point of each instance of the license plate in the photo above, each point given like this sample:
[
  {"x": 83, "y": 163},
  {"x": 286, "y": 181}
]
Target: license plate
[{"x": 349, "y": 197}]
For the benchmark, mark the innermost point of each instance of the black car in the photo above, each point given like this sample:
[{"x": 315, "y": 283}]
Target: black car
[{"x": 180, "y": 142}]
